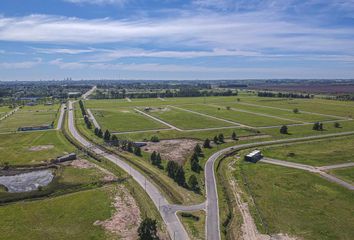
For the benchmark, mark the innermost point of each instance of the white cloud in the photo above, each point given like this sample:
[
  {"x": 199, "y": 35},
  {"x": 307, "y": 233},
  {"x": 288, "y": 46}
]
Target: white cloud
[
  {"x": 70, "y": 51},
  {"x": 252, "y": 32},
  {"x": 98, "y": 2},
  {"x": 20, "y": 65}
]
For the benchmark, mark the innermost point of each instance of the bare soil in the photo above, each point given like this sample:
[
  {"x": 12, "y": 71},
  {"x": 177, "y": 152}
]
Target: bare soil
[
  {"x": 40, "y": 148},
  {"x": 82, "y": 163},
  {"x": 177, "y": 150},
  {"x": 126, "y": 218}
]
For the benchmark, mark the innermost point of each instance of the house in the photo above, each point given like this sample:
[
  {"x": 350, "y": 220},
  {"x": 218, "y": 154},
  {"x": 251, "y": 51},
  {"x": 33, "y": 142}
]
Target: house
[
  {"x": 254, "y": 156},
  {"x": 68, "y": 157}
]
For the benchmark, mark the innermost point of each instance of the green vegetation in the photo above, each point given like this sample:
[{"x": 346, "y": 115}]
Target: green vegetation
[
  {"x": 316, "y": 153},
  {"x": 288, "y": 199},
  {"x": 65, "y": 217},
  {"x": 125, "y": 119},
  {"x": 346, "y": 174},
  {"x": 32, "y": 147},
  {"x": 194, "y": 222}
]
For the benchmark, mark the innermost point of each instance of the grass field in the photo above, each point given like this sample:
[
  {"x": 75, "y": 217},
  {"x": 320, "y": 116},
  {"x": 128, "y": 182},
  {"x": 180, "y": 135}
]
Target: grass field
[
  {"x": 195, "y": 227},
  {"x": 30, "y": 116},
  {"x": 187, "y": 120},
  {"x": 346, "y": 174},
  {"x": 317, "y": 153},
  {"x": 65, "y": 217},
  {"x": 299, "y": 203},
  {"x": 20, "y": 148},
  {"x": 125, "y": 119},
  {"x": 4, "y": 110}
]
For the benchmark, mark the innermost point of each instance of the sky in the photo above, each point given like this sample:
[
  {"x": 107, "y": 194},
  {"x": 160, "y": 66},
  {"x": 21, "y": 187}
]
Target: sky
[{"x": 176, "y": 40}]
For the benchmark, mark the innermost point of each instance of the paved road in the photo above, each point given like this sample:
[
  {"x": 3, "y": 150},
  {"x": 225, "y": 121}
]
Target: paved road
[
  {"x": 174, "y": 226},
  {"x": 212, "y": 207},
  {"x": 88, "y": 93},
  {"x": 61, "y": 117},
  {"x": 158, "y": 120},
  {"x": 319, "y": 170},
  {"x": 93, "y": 119}
]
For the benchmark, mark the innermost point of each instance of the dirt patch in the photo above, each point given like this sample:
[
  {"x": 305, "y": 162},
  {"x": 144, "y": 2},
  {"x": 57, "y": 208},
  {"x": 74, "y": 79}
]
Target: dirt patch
[
  {"x": 172, "y": 150},
  {"x": 159, "y": 109},
  {"x": 84, "y": 164},
  {"x": 126, "y": 218},
  {"x": 40, "y": 148}
]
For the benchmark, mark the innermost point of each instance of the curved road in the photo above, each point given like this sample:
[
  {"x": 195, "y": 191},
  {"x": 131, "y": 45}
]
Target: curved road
[{"x": 167, "y": 211}]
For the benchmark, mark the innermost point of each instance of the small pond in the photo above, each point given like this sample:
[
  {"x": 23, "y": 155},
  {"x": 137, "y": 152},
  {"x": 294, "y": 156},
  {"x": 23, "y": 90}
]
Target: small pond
[{"x": 26, "y": 182}]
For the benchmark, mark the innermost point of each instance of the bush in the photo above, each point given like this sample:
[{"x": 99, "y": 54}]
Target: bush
[{"x": 155, "y": 139}]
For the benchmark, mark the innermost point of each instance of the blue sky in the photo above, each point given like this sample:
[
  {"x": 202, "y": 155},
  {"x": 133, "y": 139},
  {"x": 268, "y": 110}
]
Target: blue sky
[{"x": 174, "y": 39}]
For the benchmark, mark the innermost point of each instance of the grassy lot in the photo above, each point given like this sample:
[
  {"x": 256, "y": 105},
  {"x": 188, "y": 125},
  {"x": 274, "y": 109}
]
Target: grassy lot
[
  {"x": 4, "y": 110},
  {"x": 236, "y": 116},
  {"x": 317, "y": 153},
  {"x": 187, "y": 120},
  {"x": 194, "y": 226},
  {"x": 30, "y": 116},
  {"x": 200, "y": 135},
  {"x": 298, "y": 203},
  {"x": 65, "y": 217},
  {"x": 125, "y": 119},
  {"x": 346, "y": 174},
  {"x": 286, "y": 113},
  {"x": 309, "y": 105},
  {"x": 17, "y": 148}
]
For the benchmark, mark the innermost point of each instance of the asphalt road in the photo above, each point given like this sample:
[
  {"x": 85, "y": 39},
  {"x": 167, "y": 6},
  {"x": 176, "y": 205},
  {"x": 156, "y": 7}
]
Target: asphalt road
[
  {"x": 61, "y": 117},
  {"x": 173, "y": 224},
  {"x": 88, "y": 93},
  {"x": 93, "y": 119}
]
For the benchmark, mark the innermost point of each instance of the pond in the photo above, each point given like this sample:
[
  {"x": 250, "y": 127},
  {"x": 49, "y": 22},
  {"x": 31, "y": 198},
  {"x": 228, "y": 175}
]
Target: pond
[{"x": 26, "y": 182}]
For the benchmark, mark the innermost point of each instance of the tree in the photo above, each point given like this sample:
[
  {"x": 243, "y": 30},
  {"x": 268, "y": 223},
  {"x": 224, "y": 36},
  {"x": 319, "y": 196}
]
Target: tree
[
  {"x": 180, "y": 178},
  {"x": 130, "y": 147},
  {"x": 234, "y": 136},
  {"x": 148, "y": 229},
  {"x": 96, "y": 131},
  {"x": 216, "y": 140},
  {"x": 195, "y": 165},
  {"x": 206, "y": 143},
  {"x": 221, "y": 137},
  {"x": 107, "y": 135},
  {"x": 318, "y": 126},
  {"x": 337, "y": 125},
  {"x": 193, "y": 183},
  {"x": 158, "y": 159},
  {"x": 100, "y": 133},
  {"x": 153, "y": 158},
  {"x": 171, "y": 169},
  {"x": 295, "y": 110},
  {"x": 115, "y": 141},
  {"x": 137, "y": 151},
  {"x": 284, "y": 129},
  {"x": 154, "y": 139},
  {"x": 198, "y": 150}
]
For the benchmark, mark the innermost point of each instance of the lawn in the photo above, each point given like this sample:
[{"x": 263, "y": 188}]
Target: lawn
[
  {"x": 286, "y": 113},
  {"x": 316, "y": 153},
  {"x": 125, "y": 119},
  {"x": 346, "y": 174},
  {"x": 236, "y": 116},
  {"x": 32, "y": 147},
  {"x": 187, "y": 120},
  {"x": 65, "y": 217},
  {"x": 194, "y": 222},
  {"x": 30, "y": 116},
  {"x": 4, "y": 110},
  {"x": 300, "y": 204}
]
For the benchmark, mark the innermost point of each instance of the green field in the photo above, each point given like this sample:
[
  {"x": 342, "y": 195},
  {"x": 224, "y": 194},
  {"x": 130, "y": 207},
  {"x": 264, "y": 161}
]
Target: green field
[
  {"x": 187, "y": 120},
  {"x": 125, "y": 119},
  {"x": 65, "y": 217},
  {"x": 317, "y": 153},
  {"x": 4, "y": 110},
  {"x": 237, "y": 116},
  {"x": 299, "y": 203},
  {"x": 194, "y": 226},
  {"x": 346, "y": 174},
  {"x": 30, "y": 116},
  {"x": 24, "y": 148}
]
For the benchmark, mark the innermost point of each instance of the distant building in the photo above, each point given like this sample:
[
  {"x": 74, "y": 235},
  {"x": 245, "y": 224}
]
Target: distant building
[
  {"x": 33, "y": 128},
  {"x": 68, "y": 157},
  {"x": 74, "y": 94},
  {"x": 139, "y": 144},
  {"x": 254, "y": 156},
  {"x": 31, "y": 104}
]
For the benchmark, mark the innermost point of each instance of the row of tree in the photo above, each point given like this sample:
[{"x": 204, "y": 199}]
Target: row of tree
[
  {"x": 317, "y": 126},
  {"x": 284, "y": 95}
]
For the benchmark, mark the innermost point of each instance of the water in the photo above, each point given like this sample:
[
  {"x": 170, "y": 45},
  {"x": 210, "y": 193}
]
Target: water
[{"x": 26, "y": 182}]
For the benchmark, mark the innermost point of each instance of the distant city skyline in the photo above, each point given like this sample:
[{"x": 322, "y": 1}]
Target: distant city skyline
[{"x": 176, "y": 40}]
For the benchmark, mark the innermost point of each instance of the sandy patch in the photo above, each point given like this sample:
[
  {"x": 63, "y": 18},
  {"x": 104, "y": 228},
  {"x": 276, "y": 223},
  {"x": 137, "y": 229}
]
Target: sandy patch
[
  {"x": 125, "y": 111},
  {"x": 126, "y": 219},
  {"x": 172, "y": 150},
  {"x": 40, "y": 148},
  {"x": 84, "y": 164},
  {"x": 159, "y": 109}
]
